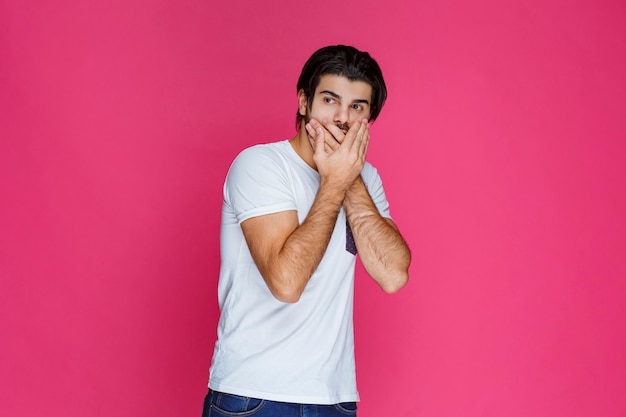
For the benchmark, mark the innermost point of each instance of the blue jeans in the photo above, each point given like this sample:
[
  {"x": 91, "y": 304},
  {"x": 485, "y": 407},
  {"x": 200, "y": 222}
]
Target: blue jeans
[{"x": 219, "y": 404}]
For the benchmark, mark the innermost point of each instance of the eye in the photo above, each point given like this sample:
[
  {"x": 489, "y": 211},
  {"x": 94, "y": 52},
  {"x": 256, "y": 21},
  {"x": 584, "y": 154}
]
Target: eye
[
  {"x": 357, "y": 107},
  {"x": 329, "y": 100}
]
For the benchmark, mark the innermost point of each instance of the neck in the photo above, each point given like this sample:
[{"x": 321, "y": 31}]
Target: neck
[{"x": 302, "y": 145}]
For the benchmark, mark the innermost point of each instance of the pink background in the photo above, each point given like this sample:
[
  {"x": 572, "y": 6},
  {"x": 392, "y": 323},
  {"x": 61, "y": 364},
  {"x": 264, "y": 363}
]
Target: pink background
[{"x": 502, "y": 147}]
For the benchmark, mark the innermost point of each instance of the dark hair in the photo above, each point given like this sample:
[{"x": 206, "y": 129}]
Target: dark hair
[{"x": 345, "y": 61}]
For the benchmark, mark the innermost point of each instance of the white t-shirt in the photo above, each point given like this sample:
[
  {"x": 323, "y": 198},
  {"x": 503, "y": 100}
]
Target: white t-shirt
[{"x": 301, "y": 352}]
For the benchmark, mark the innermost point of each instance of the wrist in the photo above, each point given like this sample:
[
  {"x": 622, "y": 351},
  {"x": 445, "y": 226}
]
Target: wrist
[
  {"x": 356, "y": 187},
  {"x": 332, "y": 190}
]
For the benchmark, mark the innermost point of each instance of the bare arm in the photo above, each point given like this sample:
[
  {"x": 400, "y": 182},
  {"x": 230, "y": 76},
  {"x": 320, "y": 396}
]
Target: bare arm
[
  {"x": 383, "y": 252},
  {"x": 286, "y": 253}
]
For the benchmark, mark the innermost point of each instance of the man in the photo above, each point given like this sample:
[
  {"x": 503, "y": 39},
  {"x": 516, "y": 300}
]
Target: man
[{"x": 295, "y": 214}]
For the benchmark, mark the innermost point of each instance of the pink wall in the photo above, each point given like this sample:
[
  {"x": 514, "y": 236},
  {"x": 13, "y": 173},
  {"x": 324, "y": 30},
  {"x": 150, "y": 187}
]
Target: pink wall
[{"x": 503, "y": 151}]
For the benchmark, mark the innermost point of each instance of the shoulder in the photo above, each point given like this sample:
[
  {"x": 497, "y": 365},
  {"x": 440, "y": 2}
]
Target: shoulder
[
  {"x": 263, "y": 151},
  {"x": 266, "y": 156}
]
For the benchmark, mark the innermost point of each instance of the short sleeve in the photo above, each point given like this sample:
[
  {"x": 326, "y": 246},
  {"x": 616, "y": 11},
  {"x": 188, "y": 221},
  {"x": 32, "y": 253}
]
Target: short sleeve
[{"x": 257, "y": 184}]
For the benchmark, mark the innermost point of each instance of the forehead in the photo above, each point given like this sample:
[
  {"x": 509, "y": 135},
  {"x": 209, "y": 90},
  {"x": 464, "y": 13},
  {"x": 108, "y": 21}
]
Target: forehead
[{"x": 346, "y": 89}]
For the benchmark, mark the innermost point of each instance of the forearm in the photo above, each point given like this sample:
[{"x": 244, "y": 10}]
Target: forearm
[
  {"x": 287, "y": 253},
  {"x": 303, "y": 250},
  {"x": 383, "y": 252}
]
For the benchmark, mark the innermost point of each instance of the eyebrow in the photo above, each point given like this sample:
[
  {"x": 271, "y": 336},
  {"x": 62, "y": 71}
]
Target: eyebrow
[{"x": 337, "y": 96}]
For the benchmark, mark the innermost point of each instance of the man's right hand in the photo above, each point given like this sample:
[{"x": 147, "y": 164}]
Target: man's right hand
[{"x": 339, "y": 158}]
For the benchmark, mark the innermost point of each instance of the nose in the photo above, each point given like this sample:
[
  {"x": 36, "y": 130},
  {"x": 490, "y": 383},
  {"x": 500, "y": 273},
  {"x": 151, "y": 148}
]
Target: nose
[{"x": 342, "y": 115}]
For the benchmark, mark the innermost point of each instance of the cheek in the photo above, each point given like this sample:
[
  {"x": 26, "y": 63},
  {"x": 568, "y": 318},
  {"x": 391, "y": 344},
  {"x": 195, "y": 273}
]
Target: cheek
[{"x": 318, "y": 113}]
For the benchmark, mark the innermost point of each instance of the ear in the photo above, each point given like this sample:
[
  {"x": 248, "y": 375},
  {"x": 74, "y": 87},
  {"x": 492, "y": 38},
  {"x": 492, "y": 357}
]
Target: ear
[{"x": 302, "y": 103}]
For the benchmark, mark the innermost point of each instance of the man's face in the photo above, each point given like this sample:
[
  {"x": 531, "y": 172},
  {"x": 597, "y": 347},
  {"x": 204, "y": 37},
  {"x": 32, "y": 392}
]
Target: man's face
[{"x": 337, "y": 100}]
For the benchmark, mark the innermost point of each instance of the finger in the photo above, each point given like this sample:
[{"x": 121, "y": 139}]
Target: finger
[
  {"x": 335, "y": 131},
  {"x": 316, "y": 133},
  {"x": 363, "y": 138},
  {"x": 319, "y": 130},
  {"x": 360, "y": 132},
  {"x": 365, "y": 146},
  {"x": 310, "y": 130},
  {"x": 352, "y": 134},
  {"x": 319, "y": 141},
  {"x": 331, "y": 141}
]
